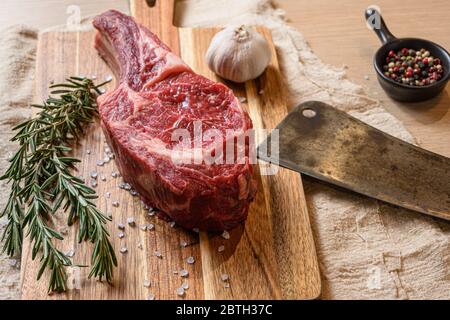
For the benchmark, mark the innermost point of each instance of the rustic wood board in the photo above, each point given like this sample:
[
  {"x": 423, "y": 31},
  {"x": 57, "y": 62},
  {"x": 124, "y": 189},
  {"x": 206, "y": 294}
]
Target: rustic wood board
[{"x": 272, "y": 256}]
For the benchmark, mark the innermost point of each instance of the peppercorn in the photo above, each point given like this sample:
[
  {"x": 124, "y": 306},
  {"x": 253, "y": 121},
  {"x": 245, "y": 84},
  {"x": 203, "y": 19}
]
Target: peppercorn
[{"x": 413, "y": 67}]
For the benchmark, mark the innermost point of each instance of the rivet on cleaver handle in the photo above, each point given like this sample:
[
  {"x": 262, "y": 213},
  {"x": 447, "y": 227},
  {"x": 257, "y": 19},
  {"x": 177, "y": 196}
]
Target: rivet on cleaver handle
[{"x": 323, "y": 142}]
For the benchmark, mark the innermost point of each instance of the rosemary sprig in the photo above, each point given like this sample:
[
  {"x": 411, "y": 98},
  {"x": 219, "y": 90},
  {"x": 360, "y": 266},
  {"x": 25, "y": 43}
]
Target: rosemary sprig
[{"x": 41, "y": 178}]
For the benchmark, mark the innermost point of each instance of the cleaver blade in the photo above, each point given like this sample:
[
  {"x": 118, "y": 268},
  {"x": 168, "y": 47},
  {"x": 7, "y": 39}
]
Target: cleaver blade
[{"x": 322, "y": 142}]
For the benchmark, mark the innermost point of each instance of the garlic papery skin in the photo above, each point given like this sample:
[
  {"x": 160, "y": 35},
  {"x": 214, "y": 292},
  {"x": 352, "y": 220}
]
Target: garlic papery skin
[{"x": 238, "y": 54}]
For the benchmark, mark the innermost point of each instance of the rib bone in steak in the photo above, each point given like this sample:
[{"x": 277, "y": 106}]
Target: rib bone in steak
[{"x": 157, "y": 95}]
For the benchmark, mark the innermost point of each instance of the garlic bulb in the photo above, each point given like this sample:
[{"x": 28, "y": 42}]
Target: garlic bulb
[{"x": 238, "y": 54}]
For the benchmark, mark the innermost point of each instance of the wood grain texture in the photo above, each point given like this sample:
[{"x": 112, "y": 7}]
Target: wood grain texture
[
  {"x": 272, "y": 256},
  {"x": 61, "y": 55}
]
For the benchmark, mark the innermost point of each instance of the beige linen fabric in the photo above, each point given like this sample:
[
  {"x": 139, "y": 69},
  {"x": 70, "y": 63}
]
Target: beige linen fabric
[{"x": 17, "y": 60}]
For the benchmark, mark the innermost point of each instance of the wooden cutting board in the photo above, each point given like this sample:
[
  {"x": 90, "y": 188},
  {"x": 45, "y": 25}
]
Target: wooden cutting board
[{"x": 272, "y": 256}]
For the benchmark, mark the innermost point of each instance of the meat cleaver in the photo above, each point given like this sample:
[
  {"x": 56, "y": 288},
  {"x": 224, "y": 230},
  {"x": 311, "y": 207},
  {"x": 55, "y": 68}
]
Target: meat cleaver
[{"x": 322, "y": 142}]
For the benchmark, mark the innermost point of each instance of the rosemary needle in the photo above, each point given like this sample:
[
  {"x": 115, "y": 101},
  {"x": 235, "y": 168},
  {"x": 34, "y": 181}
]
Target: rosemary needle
[{"x": 41, "y": 178}]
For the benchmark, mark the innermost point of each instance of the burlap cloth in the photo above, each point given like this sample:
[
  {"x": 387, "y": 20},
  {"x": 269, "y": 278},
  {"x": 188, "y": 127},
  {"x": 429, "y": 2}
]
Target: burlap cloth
[{"x": 367, "y": 250}]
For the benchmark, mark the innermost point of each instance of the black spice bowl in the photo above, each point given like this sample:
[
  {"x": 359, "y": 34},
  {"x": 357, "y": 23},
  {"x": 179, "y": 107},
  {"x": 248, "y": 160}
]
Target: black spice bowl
[{"x": 400, "y": 91}]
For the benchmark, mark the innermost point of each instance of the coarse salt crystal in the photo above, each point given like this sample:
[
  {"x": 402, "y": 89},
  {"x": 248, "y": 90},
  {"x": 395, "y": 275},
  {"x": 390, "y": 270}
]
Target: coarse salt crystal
[
  {"x": 180, "y": 291},
  {"x": 143, "y": 227},
  {"x": 13, "y": 262},
  {"x": 185, "y": 285},
  {"x": 172, "y": 224},
  {"x": 221, "y": 248},
  {"x": 151, "y": 296},
  {"x": 121, "y": 226},
  {"x": 130, "y": 221},
  {"x": 184, "y": 273},
  {"x": 183, "y": 243},
  {"x": 190, "y": 260},
  {"x": 146, "y": 283},
  {"x": 197, "y": 230},
  {"x": 224, "y": 277},
  {"x": 93, "y": 183},
  {"x": 158, "y": 254},
  {"x": 100, "y": 163},
  {"x": 108, "y": 194},
  {"x": 115, "y": 204},
  {"x": 123, "y": 250},
  {"x": 124, "y": 186},
  {"x": 150, "y": 226},
  {"x": 121, "y": 235},
  {"x": 94, "y": 174},
  {"x": 108, "y": 77},
  {"x": 225, "y": 235}
]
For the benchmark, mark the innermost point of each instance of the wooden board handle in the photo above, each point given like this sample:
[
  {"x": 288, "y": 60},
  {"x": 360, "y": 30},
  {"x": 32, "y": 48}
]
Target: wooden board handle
[{"x": 158, "y": 17}]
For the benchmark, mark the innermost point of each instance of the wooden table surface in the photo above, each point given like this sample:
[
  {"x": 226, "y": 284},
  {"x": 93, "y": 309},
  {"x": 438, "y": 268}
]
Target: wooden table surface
[{"x": 337, "y": 33}]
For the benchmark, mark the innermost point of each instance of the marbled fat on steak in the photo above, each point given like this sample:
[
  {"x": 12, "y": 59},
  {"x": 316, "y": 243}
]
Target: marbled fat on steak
[{"x": 156, "y": 95}]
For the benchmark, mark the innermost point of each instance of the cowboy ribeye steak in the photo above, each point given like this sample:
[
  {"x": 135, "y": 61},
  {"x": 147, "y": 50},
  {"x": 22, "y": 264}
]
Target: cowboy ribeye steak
[{"x": 157, "y": 95}]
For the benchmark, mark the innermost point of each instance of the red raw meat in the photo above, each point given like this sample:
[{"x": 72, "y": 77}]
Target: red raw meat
[{"x": 158, "y": 94}]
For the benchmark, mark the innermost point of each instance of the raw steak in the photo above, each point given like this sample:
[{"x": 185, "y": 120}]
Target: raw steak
[{"x": 157, "y": 95}]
